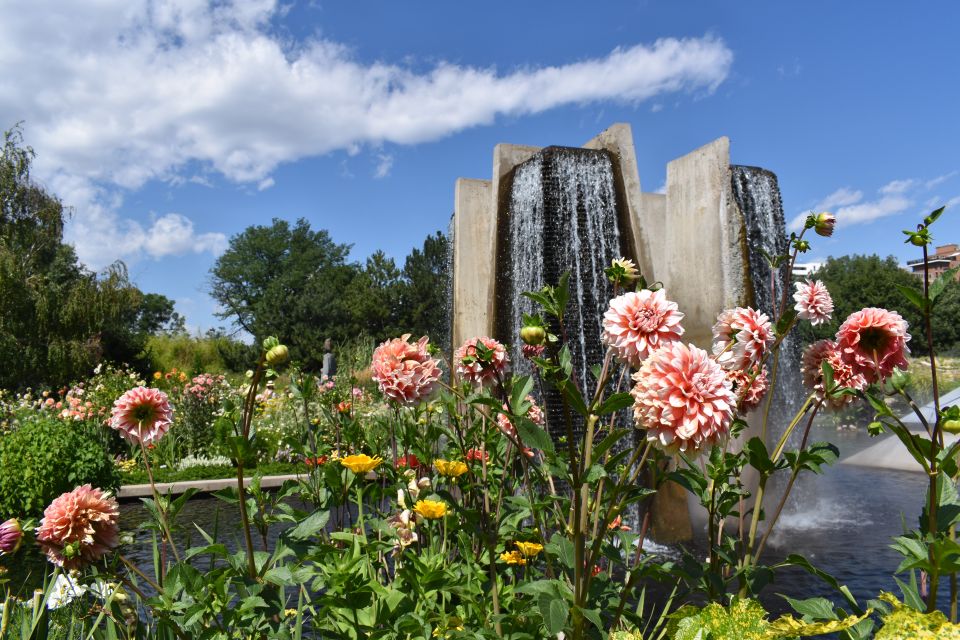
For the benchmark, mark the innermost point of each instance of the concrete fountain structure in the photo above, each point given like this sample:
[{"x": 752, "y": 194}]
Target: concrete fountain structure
[{"x": 548, "y": 210}]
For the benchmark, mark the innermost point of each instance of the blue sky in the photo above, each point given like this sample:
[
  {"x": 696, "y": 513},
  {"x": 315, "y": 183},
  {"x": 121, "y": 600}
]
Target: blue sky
[{"x": 171, "y": 126}]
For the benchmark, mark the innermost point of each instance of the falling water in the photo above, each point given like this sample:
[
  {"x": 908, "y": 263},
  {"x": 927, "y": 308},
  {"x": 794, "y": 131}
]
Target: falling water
[
  {"x": 758, "y": 196},
  {"x": 561, "y": 215}
]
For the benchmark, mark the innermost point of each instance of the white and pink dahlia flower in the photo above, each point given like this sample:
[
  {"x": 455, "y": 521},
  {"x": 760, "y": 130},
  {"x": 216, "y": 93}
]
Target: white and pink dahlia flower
[
  {"x": 142, "y": 415},
  {"x": 843, "y": 374},
  {"x": 79, "y": 527},
  {"x": 683, "y": 399},
  {"x": 749, "y": 387},
  {"x": 639, "y": 322},
  {"x": 813, "y": 302},
  {"x": 741, "y": 338},
  {"x": 404, "y": 371},
  {"x": 874, "y": 342},
  {"x": 471, "y": 367}
]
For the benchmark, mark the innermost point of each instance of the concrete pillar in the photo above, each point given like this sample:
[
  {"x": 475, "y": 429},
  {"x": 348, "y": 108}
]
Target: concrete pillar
[
  {"x": 705, "y": 266},
  {"x": 474, "y": 260}
]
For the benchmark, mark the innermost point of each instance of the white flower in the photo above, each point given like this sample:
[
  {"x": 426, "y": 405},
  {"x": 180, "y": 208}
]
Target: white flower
[{"x": 63, "y": 591}]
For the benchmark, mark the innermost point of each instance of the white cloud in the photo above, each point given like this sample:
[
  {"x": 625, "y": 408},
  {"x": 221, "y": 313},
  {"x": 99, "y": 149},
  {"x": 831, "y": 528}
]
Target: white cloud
[
  {"x": 850, "y": 208},
  {"x": 384, "y": 165},
  {"x": 841, "y": 197},
  {"x": 897, "y": 186},
  {"x": 128, "y": 91},
  {"x": 265, "y": 184},
  {"x": 173, "y": 234},
  {"x": 934, "y": 182}
]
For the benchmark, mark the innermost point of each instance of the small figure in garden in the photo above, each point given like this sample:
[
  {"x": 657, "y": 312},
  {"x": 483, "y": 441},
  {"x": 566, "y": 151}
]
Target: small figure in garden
[{"x": 329, "y": 368}]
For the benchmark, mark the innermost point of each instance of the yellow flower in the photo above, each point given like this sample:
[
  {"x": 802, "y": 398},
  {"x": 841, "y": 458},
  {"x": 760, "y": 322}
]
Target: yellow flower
[
  {"x": 452, "y": 624},
  {"x": 450, "y": 468},
  {"x": 360, "y": 463},
  {"x": 431, "y": 509},
  {"x": 513, "y": 557},
  {"x": 529, "y": 549},
  {"x": 290, "y": 612},
  {"x": 157, "y": 375}
]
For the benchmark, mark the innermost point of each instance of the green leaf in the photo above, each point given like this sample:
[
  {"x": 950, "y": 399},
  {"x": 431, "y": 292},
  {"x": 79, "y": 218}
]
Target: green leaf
[
  {"x": 614, "y": 403},
  {"x": 310, "y": 526},
  {"x": 913, "y": 296},
  {"x": 522, "y": 386},
  {"x": 937, "y": 286},
  {"x": 813, "y": 608},
  {"x": 930, "y": 219},
  {"x": 532, "y": 435},
  {"x": 795, "y": 560},
  {"x": 758, "y": 456},
  {"x": 555, "y": 611}
]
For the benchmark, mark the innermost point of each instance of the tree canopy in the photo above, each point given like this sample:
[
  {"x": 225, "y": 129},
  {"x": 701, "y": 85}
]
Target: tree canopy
[
  {"x": 58, "y": 319},
  {"x": 296, "y": 283}
]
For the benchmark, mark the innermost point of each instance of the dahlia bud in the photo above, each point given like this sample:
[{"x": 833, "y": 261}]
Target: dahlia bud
[
  {"x": 824, "y": 223},
  {"x": 11, "y": 535},
  {"x": 277, "y": 355},
  {"x": 532, "y": 351},
  {"x": 622, "y": 271},
  {"x": 950, "y": 426},
  {"x": 270, "y": 342},
  {"x": 533, "y": 334}
]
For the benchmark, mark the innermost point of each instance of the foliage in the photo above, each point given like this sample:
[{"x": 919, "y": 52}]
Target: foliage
[
  {"x": 58, "y": 319},
  {"x": 210, "y": 472},
  {"x": 214, "y": 352},
  {"x": 904, "y": 622},
  {"x": 747, "y": 620},
  {"x": 294, "y": 282},
  {"x": 289, "y": 281},
  {"x": 39, "y": 445}
]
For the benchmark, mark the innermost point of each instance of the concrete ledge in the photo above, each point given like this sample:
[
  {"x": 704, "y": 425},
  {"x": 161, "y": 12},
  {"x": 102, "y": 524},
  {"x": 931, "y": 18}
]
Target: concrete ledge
[{"x": 203, "y": 486}]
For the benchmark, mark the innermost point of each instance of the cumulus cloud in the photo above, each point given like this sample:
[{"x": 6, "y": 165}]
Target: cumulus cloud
[
  {"x": 841, "y": 197},
  {"x": 128, "y": 91},
  {"x": 896, "y": 196}
]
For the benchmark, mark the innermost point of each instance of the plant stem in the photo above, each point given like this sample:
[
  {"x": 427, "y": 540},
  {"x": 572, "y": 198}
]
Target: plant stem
[{"x": 161, "y": 507}]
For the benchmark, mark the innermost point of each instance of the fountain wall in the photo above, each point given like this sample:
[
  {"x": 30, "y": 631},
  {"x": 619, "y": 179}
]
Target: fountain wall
[{"x": 703, "y": 239}]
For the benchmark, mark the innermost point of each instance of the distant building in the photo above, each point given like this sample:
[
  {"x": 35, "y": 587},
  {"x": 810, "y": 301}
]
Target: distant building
[
  {"x": 805, "y": 269},
  {"x": 946, "y": 257}
]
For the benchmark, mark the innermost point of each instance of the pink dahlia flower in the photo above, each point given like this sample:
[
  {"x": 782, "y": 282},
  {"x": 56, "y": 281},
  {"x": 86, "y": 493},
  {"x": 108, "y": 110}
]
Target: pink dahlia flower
[
  {"x": 813, "y": 302},
  {"x": 741, "y": 338},
  {"x": 639, "y": 322},
  {"x": 683, "y": 399},
  {"x": 11, "y": 534},
  {"x": 404, "y": 371},
  {"x": 142, "y": 414},
  {"x": 79, "y": 527},
  {"x": 476, "y": 371},
  {"x": 843, "y": 373},
  {"x": 749, "y": 390},
  {"x": 874, "y": 341}
]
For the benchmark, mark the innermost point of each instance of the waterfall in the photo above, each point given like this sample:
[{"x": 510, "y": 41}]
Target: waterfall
[
  {"x": 758, "y": 196},
  {"x": 561, "y": 214}
]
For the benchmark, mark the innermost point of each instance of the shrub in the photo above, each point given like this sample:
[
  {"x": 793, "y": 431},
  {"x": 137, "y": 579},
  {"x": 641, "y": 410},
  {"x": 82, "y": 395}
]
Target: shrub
[{"x": 45, "y": 457}]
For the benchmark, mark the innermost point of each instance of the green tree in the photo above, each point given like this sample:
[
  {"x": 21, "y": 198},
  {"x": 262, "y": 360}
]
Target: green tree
[
  {"x": 373, "y": 298},
  {"x": 58, "y": 319},
  {"x": 424, "y": 308},
  {"x": 288, "y": 281}
]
